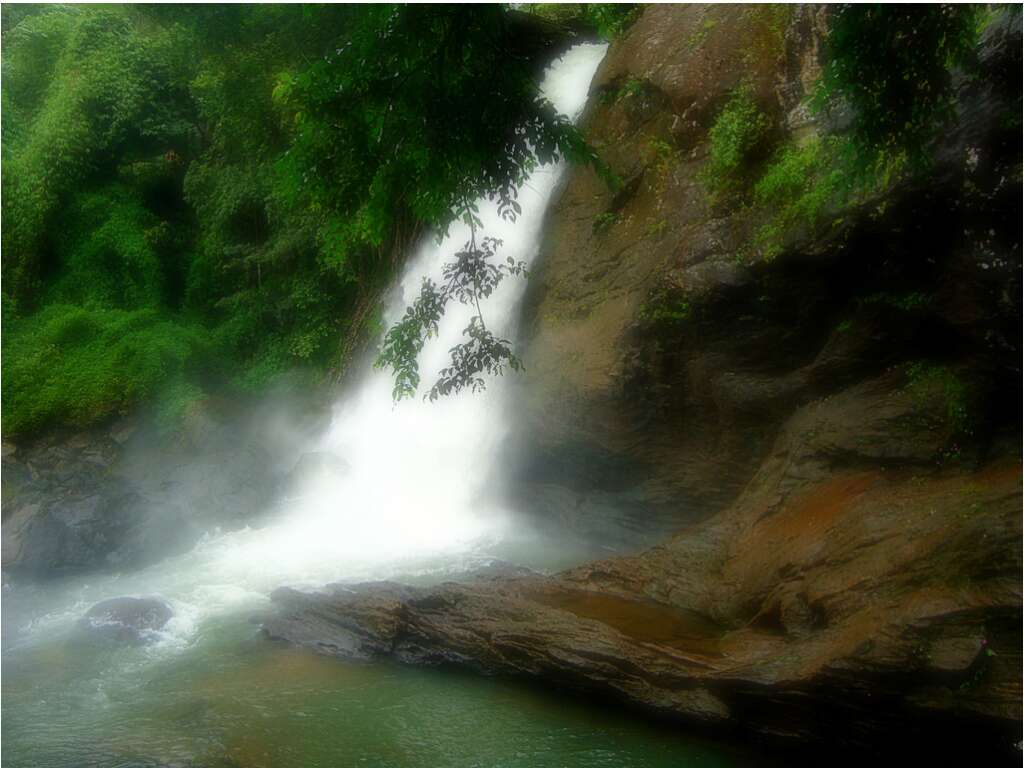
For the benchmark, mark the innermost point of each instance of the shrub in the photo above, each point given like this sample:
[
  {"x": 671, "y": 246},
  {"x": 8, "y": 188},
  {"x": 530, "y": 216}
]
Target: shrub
[
  {"x": 736, "y": 137},
  {"x": 72, "y": 365},
  {"x": 803, "y": 183},
  {"x": 891, "y": 63}
]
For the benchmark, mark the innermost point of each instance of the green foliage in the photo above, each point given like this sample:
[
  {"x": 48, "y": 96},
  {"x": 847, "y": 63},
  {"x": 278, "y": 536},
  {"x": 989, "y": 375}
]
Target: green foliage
[
  {"x": 377, "y": 144},
  {"x": 803, "y": 185},
  {"x": 469, "y": 279},
  {"x": 236, "y": 183},
  {"x": 633, "y": 88},
  {"x": 656, "y": 228},
  {"x": 797, "y": 188},
  {"x": 605, "y": 221},
  {"x": 609, "y": 20},
  {"x": 891, "y": 63},
  {"x": 105, "y": 91},
  {"x": 766, "y": 35},
  {"x": 923, "y": 377},
  {"x": 72, "y": 365},
  {"x": 908, "y": 302},
  {"x": 736, "y": 137},
  {"x": 174, "y": 403},
  {"x": 111, "y": 249},
  {"x": 660, "y": 155},
  {"x": 700, "y": 34},
  {"x": 666, "y": 308}
]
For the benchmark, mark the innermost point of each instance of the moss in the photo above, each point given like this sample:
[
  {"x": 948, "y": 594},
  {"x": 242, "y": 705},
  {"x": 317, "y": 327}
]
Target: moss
[
  {"x": 609, "y": 20},
  {"x": 924, "y": 377},
  {"x": 666, "y": 307},
  {"x": 766, "y": 39},
  {"x": 736, "y": 137},
  {"x": 656, "y": 228},
  {"x": 633, "y": 88},
  {"x": 804, "y": 183},
  {"x": 907, "y": 302},
  {"x": 700, "y": 34},
  {"x": 660, "y": 155},
  {"x": 605, "y": 221}
]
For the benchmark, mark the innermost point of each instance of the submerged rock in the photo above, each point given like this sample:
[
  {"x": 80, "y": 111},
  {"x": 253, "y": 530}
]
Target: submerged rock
[{"x": 127, "y": 619}]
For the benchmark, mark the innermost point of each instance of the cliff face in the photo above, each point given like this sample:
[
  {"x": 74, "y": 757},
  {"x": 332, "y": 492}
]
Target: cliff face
[
  {"x": 835, "y": 430},
  {"x": 665, "y": 421},
  {"x": 665, "y": 354}
]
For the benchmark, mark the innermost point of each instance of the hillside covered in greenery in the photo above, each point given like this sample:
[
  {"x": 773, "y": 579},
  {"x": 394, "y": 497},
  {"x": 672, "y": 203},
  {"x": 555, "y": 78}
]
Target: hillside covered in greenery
[{"x": 204, "y": 198}]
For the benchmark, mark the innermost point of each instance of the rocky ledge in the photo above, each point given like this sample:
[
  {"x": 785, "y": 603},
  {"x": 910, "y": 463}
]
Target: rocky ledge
[{"x": 888, "y": 617}]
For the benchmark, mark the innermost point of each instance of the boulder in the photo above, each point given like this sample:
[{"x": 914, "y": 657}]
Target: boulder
[
  {"x": 865, "y": 613},
  {"x": 131, "y": 620}
]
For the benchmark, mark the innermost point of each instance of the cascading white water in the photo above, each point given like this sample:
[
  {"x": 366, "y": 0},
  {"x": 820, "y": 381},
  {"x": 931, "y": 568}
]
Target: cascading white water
[
  {"x": 414, "y": 496},
  {"x": 415, "y": 483}
]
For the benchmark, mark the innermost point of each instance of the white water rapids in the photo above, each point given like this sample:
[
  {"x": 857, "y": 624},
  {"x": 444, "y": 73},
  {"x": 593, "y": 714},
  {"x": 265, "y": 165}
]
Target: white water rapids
[{"x": 415, "y": 498}]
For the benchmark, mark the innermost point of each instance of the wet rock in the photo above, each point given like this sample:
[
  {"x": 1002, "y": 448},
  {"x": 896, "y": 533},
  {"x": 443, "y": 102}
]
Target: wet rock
[
  {"x": 127, "y": 619},
  {"x": 123, "y": 496},
  {"x": 666, "y": 343},
  {"x": 831, "y": 617}
]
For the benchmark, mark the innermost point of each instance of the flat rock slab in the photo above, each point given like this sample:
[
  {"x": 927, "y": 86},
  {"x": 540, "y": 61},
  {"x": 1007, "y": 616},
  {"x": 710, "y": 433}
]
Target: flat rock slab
[{"x": 836, "y": 620}]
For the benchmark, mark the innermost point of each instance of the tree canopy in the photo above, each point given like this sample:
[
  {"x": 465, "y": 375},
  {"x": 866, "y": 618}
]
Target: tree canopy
[{"x": 236, "y": 184}]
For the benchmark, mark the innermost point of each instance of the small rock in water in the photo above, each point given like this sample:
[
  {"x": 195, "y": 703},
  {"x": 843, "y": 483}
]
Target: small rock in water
[{"x": 127, "y": 619}]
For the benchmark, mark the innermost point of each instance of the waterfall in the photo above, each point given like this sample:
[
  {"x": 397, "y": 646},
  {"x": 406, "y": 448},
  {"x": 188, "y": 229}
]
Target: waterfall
[
  {"x": 418, "y": 471},
  {"x": 410, "y": 492}
]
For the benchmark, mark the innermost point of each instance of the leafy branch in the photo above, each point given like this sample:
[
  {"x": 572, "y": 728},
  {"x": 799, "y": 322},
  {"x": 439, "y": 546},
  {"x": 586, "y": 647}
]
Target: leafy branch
[{"x": 472, "y": 276}]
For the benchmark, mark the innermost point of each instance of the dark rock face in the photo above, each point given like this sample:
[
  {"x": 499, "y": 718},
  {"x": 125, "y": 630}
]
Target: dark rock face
[
  {"x": 847, "y": 565},
  {"x": 127, "y": 619},
  {"x": 122, "y": 496}
]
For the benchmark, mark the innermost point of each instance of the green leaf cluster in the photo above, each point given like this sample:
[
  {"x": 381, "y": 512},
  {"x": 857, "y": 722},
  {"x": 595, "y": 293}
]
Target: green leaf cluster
[
  {"x": 608, "y": 20},
  {"x": 736, "y": 137},
  {"x": 891, "y": 64},
  {"x": 70, "y": 365}
]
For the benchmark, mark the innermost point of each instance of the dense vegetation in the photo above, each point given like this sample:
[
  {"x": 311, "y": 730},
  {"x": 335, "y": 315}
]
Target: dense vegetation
[
  {"x": 887, "y": 79},
  {"x": 209, "y": 197}
]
